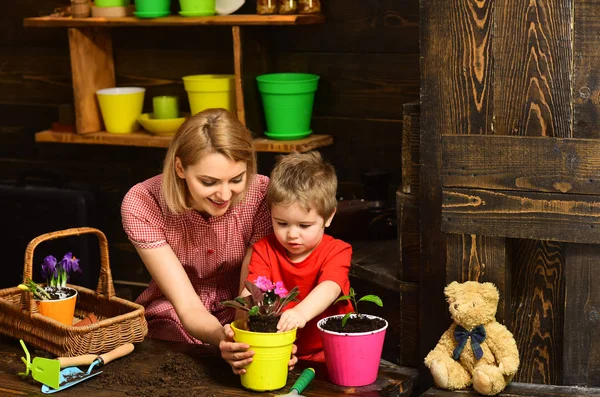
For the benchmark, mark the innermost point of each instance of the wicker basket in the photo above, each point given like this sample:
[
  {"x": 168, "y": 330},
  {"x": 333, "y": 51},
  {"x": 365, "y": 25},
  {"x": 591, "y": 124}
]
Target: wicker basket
[{"x": 119, "y": 320}]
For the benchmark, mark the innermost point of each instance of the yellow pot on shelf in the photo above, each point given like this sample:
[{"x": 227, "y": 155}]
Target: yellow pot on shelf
[
  {"x": 164, "y": 127},
  {"x": 120, "y": 108},
  {"x": 207, "y": 91},
  {"x": 272, "y": 352}
]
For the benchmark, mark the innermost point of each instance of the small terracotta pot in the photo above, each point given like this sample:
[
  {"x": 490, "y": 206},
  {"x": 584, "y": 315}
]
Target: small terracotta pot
[{"x": 61, "y": 310}]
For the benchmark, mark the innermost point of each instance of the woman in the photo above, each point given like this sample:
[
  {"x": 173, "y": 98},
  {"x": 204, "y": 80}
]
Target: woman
[{"x": 193, "y": 227}]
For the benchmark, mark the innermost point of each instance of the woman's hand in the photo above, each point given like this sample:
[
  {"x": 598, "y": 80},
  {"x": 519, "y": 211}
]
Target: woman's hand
[
  {"x": 237, "y": 354},
  {"x": 291, "y": 319}
]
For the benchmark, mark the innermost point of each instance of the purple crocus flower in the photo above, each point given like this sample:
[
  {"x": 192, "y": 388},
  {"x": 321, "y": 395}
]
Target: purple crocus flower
[
  {"x": 264, "y": 283},
  {"x": 280, "y": 289},
  {"x": 70, "y": 264},
  {"x": 49, "y": 267}
]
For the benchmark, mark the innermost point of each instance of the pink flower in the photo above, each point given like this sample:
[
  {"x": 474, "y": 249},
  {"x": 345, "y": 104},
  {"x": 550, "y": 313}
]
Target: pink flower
[
  {"x": 280, "y": 289},
  {"x": 264, "y": 283}
]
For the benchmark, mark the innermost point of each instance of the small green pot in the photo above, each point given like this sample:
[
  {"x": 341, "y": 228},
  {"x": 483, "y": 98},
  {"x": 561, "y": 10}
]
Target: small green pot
[
  {"x": 112, "y": 3},
  {"x": 288, "y": 103}
]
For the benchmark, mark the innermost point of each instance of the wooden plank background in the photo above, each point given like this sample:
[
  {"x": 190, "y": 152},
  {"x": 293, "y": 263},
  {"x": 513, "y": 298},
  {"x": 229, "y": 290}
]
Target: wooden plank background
[
  {"x": 548, "y": 216},
  {"x": 555, "y": 165},
  {"x": 581, "y": 313},
  {"x": 509, "y": 126},
  {"x": 435, "y": 118}
]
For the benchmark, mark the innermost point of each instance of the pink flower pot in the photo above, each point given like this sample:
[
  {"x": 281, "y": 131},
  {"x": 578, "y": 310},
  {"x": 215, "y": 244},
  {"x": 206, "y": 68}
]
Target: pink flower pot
[{"x": 352, "y": 359}]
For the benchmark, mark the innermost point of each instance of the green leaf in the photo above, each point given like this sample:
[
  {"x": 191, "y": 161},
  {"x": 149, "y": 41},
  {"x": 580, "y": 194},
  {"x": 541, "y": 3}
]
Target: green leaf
[
  {"x": 372, "y": 298},
  {"x": 342, "y": 298},
  {"x": 345, "y": 319},
  {"x": 253, "y": 311}
]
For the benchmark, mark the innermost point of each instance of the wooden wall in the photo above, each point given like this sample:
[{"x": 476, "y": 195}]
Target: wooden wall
[
  {"x": 519, "y": 81},
  {"x": 367, "y": 54}
]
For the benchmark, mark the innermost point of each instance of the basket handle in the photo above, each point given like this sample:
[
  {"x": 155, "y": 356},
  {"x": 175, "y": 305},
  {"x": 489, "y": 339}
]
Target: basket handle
[{"x": 105, "y": 282}]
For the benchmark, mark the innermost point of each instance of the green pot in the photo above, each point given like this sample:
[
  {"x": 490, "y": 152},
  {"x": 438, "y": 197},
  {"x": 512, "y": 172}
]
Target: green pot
[
  {"x": 288, "y": 103},
  {"x": 197, "y": 8},
  {"x": 112, "y": 3}
]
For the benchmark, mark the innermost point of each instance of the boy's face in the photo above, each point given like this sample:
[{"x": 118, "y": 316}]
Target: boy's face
[{"x": 299, "y": 231}]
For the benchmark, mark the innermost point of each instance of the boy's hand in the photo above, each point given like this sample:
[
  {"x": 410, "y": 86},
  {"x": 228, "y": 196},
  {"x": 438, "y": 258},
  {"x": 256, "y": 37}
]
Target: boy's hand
[{"x": 291, "y": 319}]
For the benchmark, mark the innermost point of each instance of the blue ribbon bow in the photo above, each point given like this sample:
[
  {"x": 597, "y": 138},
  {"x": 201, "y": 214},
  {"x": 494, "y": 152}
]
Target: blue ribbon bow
[{"x": 477, "y": 337}]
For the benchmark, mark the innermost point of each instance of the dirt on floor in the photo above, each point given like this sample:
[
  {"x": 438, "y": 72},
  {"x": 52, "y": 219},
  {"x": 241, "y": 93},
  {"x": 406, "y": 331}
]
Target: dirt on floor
[
  {"x": 11, "y": 363},
  {"x": 147, "y": 374},
  {"x": 170, "y": 375}
]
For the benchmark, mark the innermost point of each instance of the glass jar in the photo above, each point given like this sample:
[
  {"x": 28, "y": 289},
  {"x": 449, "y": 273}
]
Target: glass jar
[
  {"x": 309, "y": 6},
  {"x": 266, "y": 7},
  {"x": 288, "y": 6},
  {"x": 80, "y": 8}
]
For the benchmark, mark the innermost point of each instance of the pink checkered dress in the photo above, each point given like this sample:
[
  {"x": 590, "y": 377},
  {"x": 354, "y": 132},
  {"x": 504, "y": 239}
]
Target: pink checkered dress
[{"x": 210, "y": 250}]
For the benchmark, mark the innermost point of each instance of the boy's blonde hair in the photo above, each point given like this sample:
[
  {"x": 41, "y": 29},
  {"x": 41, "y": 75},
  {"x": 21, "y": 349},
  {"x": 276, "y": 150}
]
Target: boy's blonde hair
[
  {"x": 210, "y": 131},
  {"x": 304, "y": 178}
]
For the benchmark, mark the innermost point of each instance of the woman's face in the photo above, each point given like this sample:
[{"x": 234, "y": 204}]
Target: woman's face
[{"x": 213, "y": 182}]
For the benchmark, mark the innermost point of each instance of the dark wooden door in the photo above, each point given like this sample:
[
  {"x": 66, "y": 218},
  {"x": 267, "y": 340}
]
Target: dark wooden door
[{"x": 510, "y": 183}]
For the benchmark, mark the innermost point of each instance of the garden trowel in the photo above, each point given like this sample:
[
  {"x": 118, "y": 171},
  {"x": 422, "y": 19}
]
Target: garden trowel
[
  {"x": 303, "y": 380},
  {"x": 48, "y": 371}
]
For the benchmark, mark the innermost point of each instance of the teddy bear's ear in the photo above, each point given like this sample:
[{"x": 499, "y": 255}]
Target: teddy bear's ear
[
  {"x": 489, "y": 292},
  {"x": 451, "y": 289}
]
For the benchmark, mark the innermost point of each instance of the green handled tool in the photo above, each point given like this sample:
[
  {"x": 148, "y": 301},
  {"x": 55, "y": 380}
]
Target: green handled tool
[{"x": 303, "y": 380}]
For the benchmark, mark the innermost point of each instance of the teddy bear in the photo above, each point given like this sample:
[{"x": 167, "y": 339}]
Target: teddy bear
[{"x": 476, "y": 349}]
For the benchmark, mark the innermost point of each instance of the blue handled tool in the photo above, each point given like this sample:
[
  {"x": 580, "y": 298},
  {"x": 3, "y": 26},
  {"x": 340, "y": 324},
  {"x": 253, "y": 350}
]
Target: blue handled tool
[{"x": 70, "y": 375}]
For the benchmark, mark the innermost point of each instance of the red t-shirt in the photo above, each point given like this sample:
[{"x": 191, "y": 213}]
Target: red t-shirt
[{"x": 329, "y": 261}]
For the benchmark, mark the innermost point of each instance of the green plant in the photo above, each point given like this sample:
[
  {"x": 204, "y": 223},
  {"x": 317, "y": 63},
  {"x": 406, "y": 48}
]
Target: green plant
[
  {"x": 37, "y": 291},
  {"x": 56, "y": 274},
  {"x": 352, "y": 298},
  {"x": 266, "y": 298}
]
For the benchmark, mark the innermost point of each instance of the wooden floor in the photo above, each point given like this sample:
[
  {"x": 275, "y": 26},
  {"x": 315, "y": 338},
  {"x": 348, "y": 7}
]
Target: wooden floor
[
  {"x": 521, "y": 390},
  {"x": 164, "y": 369}
]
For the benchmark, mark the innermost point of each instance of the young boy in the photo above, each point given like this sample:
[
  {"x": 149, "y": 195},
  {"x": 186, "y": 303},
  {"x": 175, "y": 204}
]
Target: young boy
[{"x": 302, "y": 198}]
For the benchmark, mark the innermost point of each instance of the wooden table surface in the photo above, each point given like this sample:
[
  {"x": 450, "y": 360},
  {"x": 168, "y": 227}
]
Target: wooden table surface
[{"x": 161, "y": 369}]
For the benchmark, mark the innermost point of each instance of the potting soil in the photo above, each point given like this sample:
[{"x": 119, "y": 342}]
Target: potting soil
[
  {"x": 144, "y": 374},
  {"x": 353, "y": 325}
]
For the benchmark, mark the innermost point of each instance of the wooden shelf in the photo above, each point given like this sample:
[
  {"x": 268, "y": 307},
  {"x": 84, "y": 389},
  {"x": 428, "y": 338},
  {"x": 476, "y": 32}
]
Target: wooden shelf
[
  {"x": 300, "y": 145},
  {"x": 143, "y": 139},
  {"x": 175, "y": 20},
  {"x": 93, "y": 68}
]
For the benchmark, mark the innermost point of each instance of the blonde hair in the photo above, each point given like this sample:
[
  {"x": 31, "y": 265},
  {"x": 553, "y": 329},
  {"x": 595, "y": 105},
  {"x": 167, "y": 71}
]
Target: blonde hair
[
  {"x": 210, "y": 131},
  {"x": 304, "y": 179}
]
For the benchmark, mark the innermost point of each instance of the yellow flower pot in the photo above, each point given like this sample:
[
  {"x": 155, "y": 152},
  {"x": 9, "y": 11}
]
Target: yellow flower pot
[
  {"x": 61, "y": 310},
  {"x": 207, "y": 91},
  {"x": 120, "y": 108},
  {"x": 272, "y": 352}
]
